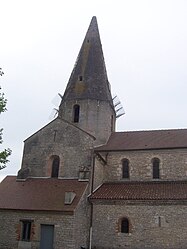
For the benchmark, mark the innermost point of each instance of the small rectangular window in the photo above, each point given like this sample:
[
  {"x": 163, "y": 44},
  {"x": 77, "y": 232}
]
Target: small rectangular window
[
  {"x": 26, "y": 230},
  {"x": 80, "y": 78},
  {"x": 84, "y": 174}
]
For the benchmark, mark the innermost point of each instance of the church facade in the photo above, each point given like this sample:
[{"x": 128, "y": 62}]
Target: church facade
[{"x": 84, "y": 185}]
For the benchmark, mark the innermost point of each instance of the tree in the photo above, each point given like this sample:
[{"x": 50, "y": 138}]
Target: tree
[{"x": 6, "y": 152}]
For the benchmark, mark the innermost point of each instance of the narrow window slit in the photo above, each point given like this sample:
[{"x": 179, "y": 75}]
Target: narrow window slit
[
  {"x": 80, "y": 78},
  {"x": 76, "y": 112},
  {"x": 156, "y": 168},
  {"x": 125, "y": 168}
]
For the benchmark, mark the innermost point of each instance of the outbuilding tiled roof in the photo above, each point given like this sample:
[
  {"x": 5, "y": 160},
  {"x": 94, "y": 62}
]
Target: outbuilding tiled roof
[
  {"x": 155, "y": 190},
  {"x": 146, "y": 140},
  {"x": 39, "y": 194}
]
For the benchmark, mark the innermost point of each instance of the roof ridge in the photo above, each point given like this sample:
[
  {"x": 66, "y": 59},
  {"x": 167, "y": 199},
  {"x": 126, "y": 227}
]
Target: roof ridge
[
  {"x": 146, "y": 182},
  {"x": 151, "y": 130}
]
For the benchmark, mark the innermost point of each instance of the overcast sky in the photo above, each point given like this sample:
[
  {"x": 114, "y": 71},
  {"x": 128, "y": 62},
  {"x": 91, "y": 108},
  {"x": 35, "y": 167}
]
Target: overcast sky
[{"x": 145, "y": 49}]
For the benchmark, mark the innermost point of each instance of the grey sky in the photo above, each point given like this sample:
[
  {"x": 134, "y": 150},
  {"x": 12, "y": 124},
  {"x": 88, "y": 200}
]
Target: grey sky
[{"x": 145, "y": 49}]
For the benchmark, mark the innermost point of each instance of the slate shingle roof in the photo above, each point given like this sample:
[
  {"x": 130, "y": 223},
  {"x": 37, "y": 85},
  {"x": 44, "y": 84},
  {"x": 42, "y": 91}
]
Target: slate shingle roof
[
  {"x": 39, "y": 194},
  {"x": 155, "y": 190},
  {"x": 90, "y": 66},
  {"x": 145, "y": 140}
]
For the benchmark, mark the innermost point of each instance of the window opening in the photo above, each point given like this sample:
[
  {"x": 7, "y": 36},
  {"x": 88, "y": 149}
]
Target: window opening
[
  {"x": 80, "y": 78},
  {"x": 55, "y": 167},
  {"x": 76, "y": 112},
  {"x": 55, "y": 133},
  {"x": 26, "y": 230},
  {"x": 156, "y": 170},
  {"x": 125, "y": 225},
  {"x": 84, "y": 173},
  {"x": 125, "y": 168}
]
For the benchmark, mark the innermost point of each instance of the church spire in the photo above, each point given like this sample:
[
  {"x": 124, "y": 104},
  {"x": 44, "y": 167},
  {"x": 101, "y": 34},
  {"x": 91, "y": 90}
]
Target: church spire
[
  {"x": 88, "y": 79},
  {"x": 87, "y": 101}
]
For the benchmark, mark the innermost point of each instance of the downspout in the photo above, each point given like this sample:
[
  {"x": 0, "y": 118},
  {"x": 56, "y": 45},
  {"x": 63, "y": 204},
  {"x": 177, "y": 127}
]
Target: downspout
[{"x": 91, "y": 210}]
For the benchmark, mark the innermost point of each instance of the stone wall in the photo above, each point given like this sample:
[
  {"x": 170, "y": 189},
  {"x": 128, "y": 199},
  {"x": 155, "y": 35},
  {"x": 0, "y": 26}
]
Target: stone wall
[
  {"x": 64, "y": 229},
  {"x": 96, "y": 117},
  {"x": 72, "y": 145},
  {"x": 173, "y": 164},
  {"x": 160, "y": 226}
]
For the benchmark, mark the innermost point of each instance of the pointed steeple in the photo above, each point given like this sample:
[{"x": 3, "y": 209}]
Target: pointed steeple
[
  {"x": 87, "y": 101},
  {"x": 88, "y": 79}
]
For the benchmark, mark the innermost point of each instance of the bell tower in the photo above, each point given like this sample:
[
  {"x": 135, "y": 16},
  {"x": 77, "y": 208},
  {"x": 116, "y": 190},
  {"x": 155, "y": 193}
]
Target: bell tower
[{"x": 87, "y": 100}]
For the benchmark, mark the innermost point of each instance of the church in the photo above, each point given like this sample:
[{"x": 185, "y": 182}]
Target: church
[{"x": 84, "y": 185}]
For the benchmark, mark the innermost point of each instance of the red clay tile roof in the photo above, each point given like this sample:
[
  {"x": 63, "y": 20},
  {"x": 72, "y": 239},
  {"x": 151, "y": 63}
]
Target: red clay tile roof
[
  {"x": 144, "y": 140},
  {"x": 157, "y": 190},
  {"x": 39, "y": 194}
]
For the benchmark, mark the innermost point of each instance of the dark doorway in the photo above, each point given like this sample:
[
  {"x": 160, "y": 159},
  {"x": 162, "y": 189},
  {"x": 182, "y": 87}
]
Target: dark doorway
[{"x": 46, "y": 237}]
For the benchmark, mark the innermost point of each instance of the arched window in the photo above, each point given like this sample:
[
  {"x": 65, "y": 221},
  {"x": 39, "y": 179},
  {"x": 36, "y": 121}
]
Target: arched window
[
  {"x": 125, "y": 168},
  {"x": 124, "y": 225},
  {"x": 76, "y": 112},
  {"x": 156, "y": 168},
  {"x": 55, "y": 166}
]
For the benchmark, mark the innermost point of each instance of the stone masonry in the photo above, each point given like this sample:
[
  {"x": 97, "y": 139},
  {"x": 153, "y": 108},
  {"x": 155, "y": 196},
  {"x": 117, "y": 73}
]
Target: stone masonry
[{"x": 152, "y": 225}]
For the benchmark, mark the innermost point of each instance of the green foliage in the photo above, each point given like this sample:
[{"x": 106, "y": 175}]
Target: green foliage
[
  {"x": 3, "y": 158},
  {"x": 6, "y": 152},
  {"x": 3, "y": 102}
]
